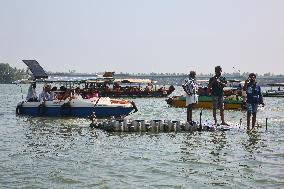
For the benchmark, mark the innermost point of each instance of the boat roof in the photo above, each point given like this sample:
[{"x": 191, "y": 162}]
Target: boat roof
[
  {"x": 276, "y": 84},
  {"x": 137, "y": 81},
  {"x": 64, "y": 80},
  {"x": 234, "y": 81},
  {"x": 75, "y": 79},
  {"x": 22, "y": 81},
  {"x": 229, "y": 80}
]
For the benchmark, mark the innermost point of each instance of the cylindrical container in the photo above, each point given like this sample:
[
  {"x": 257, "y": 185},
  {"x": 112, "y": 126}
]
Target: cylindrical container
[
  {"x": 114, "y": 124},
  {"x": 153, "y": 126},
  {"x": 161, "y": 126},
  {"x": 125, "y": 125},
  {"x": 176, "y": 126},
  {"x": 186, "y": 127},
  {"x": 143, "y": 126}
]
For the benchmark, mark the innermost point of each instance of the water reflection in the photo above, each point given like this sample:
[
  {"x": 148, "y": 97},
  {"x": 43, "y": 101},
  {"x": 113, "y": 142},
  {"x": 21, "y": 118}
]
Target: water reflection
[
  {"x": 219, "y": 140},
  {"x": 251, "y": 145},
  {"x": 45, "y": 136}
]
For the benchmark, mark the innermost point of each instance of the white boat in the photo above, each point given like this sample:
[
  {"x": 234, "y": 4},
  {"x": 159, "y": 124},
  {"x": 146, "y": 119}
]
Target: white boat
[
  {"x": 101, "y": 107},
  {"x": 70, "y": 106}
]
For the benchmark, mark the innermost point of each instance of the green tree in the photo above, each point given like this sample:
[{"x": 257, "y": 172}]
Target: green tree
[{"x": 9, "y": 74}]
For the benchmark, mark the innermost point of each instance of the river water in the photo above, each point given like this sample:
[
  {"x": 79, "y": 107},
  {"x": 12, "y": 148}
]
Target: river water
[{"x": 67, "y": 153}]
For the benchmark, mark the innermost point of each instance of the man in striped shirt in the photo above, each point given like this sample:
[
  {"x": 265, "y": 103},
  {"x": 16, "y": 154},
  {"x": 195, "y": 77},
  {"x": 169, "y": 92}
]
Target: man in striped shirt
[{"x": 190, "y": 88}]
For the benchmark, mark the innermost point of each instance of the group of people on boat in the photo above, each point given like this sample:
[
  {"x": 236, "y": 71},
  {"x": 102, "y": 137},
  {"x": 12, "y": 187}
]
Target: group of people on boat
[
  {"x": 129, "y": 89},
  {"x": 50, "y": 94},
  {"x": 216, "y": 85}
]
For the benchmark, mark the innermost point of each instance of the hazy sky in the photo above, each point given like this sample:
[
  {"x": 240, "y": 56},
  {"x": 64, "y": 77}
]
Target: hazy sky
[{"x": 144, "y": 35}]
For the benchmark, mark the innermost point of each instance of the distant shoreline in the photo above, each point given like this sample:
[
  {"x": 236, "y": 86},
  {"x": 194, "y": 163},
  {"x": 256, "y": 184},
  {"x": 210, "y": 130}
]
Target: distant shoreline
[{"x": 177, "y": 80}]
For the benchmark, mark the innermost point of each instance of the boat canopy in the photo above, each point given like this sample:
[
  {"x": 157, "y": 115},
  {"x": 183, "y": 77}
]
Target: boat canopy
[
  {"x": 276, "y": 84},
  {"x": 74, "y": 79},
  {"x": 138, "y": 81},
  {"x": 77, "y": 80},
  {"x": 37, "y": 71}
]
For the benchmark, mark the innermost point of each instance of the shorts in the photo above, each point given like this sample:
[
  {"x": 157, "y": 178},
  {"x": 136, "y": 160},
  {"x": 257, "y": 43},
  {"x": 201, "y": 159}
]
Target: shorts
[
  {"x": 252, "y": 108},
  {"x": 218, "y": 102},
  {"x": 191, "y": 99}
]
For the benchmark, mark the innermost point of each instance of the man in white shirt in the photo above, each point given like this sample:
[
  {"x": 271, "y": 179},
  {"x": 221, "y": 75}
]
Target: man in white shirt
[
  {"x": 44, "y": 95},
  {"x": 190, "y": 88},
  {"x": 77, "y": 94}
]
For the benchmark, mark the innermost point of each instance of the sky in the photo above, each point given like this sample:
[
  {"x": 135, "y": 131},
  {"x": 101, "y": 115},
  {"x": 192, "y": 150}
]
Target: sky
[{"x": 144, "y": 36}]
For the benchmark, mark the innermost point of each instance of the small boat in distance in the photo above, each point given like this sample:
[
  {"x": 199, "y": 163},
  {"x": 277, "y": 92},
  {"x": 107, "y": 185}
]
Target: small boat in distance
[
  {"x": 129, "y": 87},
  {"x": 274, "y": 92}
]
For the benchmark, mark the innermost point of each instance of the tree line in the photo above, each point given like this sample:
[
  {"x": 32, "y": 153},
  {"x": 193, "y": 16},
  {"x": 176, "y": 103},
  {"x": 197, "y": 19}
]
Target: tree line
[{"x": 9, "y": 74}]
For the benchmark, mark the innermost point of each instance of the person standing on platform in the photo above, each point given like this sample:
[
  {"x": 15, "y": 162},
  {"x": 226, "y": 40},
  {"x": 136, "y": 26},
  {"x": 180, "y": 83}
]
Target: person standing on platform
[
  {"x": 254, "y": 98},
  {"x": 217, "y": 84},
  {"x": 190, "y": 88}
]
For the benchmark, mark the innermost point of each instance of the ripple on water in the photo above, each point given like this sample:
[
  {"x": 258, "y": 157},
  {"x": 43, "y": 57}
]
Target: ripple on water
[{"x": 60, "y": 153}]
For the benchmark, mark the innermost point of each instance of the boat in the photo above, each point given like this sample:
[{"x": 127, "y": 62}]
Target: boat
[
  {"x": 232, "y": 102},
  {"x": 70, "y": 106},
  {"x": 128, "y": 87},
  {"x": 274, "y": 92},
  {"x": 101, "y": 107},
  {"x": 233, "y": 97}
]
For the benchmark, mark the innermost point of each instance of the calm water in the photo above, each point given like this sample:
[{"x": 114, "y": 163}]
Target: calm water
[{"x": 67, "y": 153}]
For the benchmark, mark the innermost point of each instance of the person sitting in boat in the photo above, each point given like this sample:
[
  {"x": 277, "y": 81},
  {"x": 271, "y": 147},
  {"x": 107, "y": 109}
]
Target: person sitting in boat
[
  {"x": 53, "y": 95},
  {"x": 116, "y": 86},
  {"x": 190, "y": 88},
  {"x": 44, "y": 95},
  {"x": 147, "y": 89},
  {"x": 32, "y": 96},
  {"x": 61, "y": 93},
  {"x": 67, "y": 94},
  {"x": 93, "y": 93},
  {"x": 77, "y": 94}
]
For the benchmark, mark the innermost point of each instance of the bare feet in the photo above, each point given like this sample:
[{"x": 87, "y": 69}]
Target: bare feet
[{"x": 224, "y": 123}]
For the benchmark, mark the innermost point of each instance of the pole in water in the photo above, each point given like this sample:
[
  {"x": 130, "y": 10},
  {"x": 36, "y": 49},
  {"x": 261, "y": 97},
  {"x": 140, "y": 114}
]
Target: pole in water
[
  {"x": 241, "y": 120},
  {"x": 200, "y": 125},
  {"x": 266, "y": 123}
]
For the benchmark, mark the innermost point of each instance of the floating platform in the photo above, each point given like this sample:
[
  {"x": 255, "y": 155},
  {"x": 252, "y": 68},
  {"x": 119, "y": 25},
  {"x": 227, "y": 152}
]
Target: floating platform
[{"x": 157, "y": 126}]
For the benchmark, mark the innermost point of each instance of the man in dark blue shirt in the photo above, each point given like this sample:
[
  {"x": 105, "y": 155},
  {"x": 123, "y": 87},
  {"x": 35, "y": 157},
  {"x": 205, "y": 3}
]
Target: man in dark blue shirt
[{"x": 254, "y": 98}]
